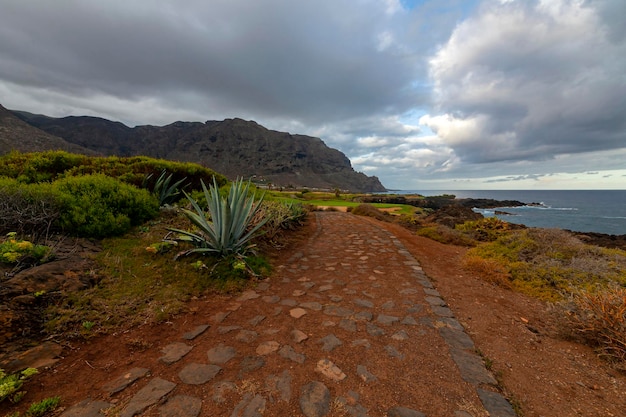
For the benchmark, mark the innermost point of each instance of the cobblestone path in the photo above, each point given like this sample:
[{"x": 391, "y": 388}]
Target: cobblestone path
[{"x": 348, "y": 326}]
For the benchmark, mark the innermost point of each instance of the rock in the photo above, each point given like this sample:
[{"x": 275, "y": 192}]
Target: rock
[
  {"x": 246, "y": 336},
  {"x": 195, "y": 332},
  {"x": 329, "y": 342},
  {"x": 315, "y": 399},
  {"x": 271, "y": 299},
  {"x": 363, "y": 303},
  {"x": 387, "y": 320},
  {"x": 174, "y": 352},
  {"x": 338, "y": 311},
  {"x": 147, "y": 396},
  {"x": 227, "y": 329},
  {"x": 197, "y": 373},
  {"x": 298, "y": 336},
  {"x": 44, "y": 355},
  {"x": 87, "y": 408},
  {"x": 401, "y": 335},
  {"x": 404, "y": 412},
  {"x": 297, "y": 312},
  {"x": 313, "y": 305},
  {"x": 374, "y": 330},
  {"x": 125, "y": 380},
  {"x": 221, "y": 354},
  {"x": 280, "y": 385},
  {"x": 256, "y": 320},
  {"x": 348, "y": 325},
  {"x": 266, "y": 348},
  {"x": 248, "y": 295},
  {"x": 221, "y": 389},
  {"x": 252, "y": 363},
  {"x": 330, "y": 370},
  {"x": 393, "y": 352},
  {"x": 181, "y": 406},
  {"x": 250, "y": 406},
  {"x": 364, "y": 374},
  {"x": 495, "y": 404},
  {"x": 287, "y": 352}
]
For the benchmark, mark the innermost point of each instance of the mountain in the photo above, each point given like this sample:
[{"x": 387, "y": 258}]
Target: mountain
[
  {"x": 233, "y": 147},
  {"x": 16, "y": 135}
]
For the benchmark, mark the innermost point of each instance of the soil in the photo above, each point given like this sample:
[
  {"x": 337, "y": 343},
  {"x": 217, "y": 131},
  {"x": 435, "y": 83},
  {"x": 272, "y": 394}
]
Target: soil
[{"x": 541, "y": 373}]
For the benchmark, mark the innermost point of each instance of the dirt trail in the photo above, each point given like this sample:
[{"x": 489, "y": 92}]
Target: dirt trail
[{"x": 361, "y": 319}]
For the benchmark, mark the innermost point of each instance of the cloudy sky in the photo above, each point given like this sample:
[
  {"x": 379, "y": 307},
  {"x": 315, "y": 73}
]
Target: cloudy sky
[{"x": 439, "y": 94}]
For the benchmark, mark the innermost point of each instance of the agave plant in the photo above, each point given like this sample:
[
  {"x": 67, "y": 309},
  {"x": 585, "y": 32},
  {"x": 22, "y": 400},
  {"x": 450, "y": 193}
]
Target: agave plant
[
  {"x": 166, "y": 193},
  {"x": 227, "y": 227}
]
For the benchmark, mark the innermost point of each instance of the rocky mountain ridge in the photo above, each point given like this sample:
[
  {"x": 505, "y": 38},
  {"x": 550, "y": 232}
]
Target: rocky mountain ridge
[{"x": 233, "y": 147}]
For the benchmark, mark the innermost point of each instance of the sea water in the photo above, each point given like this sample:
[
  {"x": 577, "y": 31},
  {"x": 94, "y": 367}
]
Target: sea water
[{"x": 600, "y": 211}]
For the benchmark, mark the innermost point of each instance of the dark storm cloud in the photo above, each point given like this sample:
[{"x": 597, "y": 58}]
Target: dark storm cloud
[{"x": 314, "y": 61}]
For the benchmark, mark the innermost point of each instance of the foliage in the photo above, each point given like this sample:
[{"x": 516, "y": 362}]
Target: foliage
[
  {"x": 599, "y": 319},
  {"x": 227, "y": 228},
  {"x": 43, "y": 407},
  {"x": 10, "y": 384},
  {"x": 369, "y": 210},
  {"x": 28, "y": 208},
  {"x": 485, "y": 230},
  {"x": 548, "y": 263},
  {"x": 278, "y": 216},
  {"x": 99, "y": 206},
  {"x": 13, "y": 251},
  {"x": 444, "y": 234},
  {"x": 166, "y": 193},
  {"x": 137, "y": 286},
  {"x": 52, "y": 165}
]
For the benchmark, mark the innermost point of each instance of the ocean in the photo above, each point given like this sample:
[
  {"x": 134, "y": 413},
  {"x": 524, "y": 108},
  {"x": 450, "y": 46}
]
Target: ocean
[{"x": 600, "y": 211}]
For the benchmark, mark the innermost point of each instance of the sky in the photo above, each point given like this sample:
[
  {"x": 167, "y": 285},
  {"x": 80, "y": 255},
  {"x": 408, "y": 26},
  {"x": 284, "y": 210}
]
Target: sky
[{"x": 426, "y": 95}]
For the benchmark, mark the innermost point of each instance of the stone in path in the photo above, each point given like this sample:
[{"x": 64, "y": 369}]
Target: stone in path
[
  {"x": 298, "y": 336},
  {"x": 279, "y": 385},
  {"x": 401, "y": 335},
  {"x": 393, "y": 352},
  {"x": 330, "y": 370},
  {"x": 472, "y": 367},
  {"x": 87, "y": 409},
  {"x": 404, "y": 412},
  {"x": 220, "y": 317},
  {"x": 248, "y": 295},
  {"x": 221, "y": 354},
  {"x": 148, "y": 395},
  {"x": 250, "y": 406},
  {"x": 329, "y": 342},
  {"x": 181, "y": 406},
  {"x": 387, "y": 320},
  {"x": 315, "y": 399},
  {"x": 251, "y": 363},
  {"x": 121, "y": 382},
  {"x": 363, "y": 303},
  {"x": 312, "y": 305},
  {"x": 246, "y": 336},
  {"x": 195, "y": 332},
  {"x": 347, "y": 324},
  {"x": 256, "y": 320},
  {"x": 495, "y": 404},
  {"x": 266, "y": 348},
  {"x": 288, "y": 353},
  {"x": 338, "y": 311},
  {"x": 297, "y": 312},
  {"x": 374, "y": 330},
  {"x": 364, "y": 374},
  {"x": 174, "y": 352},
  {"x": 197, "y": 373}
]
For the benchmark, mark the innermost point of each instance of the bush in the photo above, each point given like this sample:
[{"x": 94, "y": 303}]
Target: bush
[
  {"x": 278, "y": 216},
  {"x": 369, "y": 211},
  {"x": 28, "y": 209},
  {"x": 599, "y": 319},
  {"x": 548, "y": 263},
  {"x": 52, "y": 165},
  {"x": 485, "y": 230},
  {"x": 13, "y": 251},
  {"x": 444, "y": 234},
  {"x": 99, "y": 206}
]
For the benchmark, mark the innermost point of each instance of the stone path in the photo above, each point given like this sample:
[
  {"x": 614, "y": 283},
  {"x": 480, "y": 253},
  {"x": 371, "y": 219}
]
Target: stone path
[{"x": 349, "y": 326}]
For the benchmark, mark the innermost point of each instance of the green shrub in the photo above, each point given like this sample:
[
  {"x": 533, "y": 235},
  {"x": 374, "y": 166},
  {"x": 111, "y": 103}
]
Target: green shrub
[
  {"x": 549, "y": 263},
  {"x": 98, "y": 206},
  {"x": 43, "y": 407},
  {"x": 52, "y": 165},
  {"x": 14, "y": 250},
  {"x": 485, "y": 230},
  {"x": 11, "y": 384},
  {"x": 278, "y": 216}
]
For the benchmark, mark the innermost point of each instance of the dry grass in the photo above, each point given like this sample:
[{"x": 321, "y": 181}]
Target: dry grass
[
  {"x": 489, "y": 270},
  {"x": 599, "y": 319}
]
